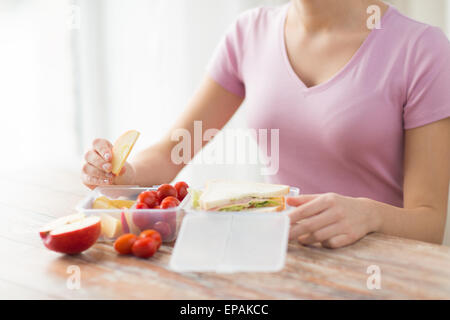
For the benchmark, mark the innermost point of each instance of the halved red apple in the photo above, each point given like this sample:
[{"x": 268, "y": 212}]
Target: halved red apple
[
  {"x": 72, "y": 234},
  {"x": 122, "y": 148}
]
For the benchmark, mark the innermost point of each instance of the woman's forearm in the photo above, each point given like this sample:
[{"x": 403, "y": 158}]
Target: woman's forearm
[
  {"x": 153, "y": 166},
  {"x": 422, "y": 223},
  {"x": 211, "y": 107}
]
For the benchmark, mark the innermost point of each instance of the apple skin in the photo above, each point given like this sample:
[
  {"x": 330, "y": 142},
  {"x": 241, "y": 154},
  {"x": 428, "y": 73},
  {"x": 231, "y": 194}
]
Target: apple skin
[
  {"x": 123, "y": 220},
  {"x": 72, "y": 242}
]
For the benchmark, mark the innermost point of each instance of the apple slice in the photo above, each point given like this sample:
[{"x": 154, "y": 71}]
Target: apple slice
[
  {"x": 120, "y": 203},
  {"x": 123, "y": 220},
  {"x": 111, "y": 227},
  {"x": 72, "y": 234},
  {"x": 106, "y": 203},
  {"x": 128, "y": 226},
  {"x": 103, "y": 203},
  {"x": 122, "y": 148},
  {"x": 133, "y": 227}
]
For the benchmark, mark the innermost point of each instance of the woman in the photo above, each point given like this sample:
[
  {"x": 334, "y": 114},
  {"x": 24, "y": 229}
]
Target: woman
[{"x": 363, "y": 117}]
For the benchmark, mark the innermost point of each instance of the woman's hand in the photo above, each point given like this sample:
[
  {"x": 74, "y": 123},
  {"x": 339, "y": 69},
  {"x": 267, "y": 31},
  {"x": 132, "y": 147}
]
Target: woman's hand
[
  {"x": 97, "y": 169},
  {"x": 331, "y": 219}
]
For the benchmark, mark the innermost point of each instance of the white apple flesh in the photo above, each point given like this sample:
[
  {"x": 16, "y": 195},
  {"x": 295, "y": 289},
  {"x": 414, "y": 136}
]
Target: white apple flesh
[
  {"x": 122, "y": 148},
  {"x": 72, "y": 234}
]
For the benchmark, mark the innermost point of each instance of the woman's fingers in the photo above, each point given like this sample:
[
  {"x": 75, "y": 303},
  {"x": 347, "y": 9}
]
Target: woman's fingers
[
  {"x": 338, "y": 241},
  {"x": 321, "y": 235},
  {"x": 299, "y": 200},
  {"x": 92, "y": 181},
  {"x": 315, "y": 205},
  {"x": 90, "y": 170},
  {"x": 92, "y": 176},
  {"x": 104, "y": 148},
  {"x": 93, "y": 158},
  {"x": 313, "y": 224},
  {"x": 97, "y": 169}
]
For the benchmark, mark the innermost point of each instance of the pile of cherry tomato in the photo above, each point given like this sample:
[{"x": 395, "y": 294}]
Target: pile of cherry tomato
[
  {"x": 143, "y": 246},
  {"x": 165, "y": 197}
]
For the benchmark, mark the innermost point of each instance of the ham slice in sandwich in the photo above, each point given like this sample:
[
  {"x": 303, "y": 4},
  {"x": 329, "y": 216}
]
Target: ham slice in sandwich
[{"x": 220, "y": 195}]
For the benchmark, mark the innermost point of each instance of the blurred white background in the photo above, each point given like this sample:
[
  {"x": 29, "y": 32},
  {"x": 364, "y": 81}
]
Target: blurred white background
[{"x": 74, "y": 70}]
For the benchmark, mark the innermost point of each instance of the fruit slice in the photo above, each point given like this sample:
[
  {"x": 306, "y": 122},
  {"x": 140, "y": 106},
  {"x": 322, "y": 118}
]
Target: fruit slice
[
  {"x": 128, "y": 226},
  {"x": 118, "y": 203},
  {"x": 106, "y": 203},
  {"x": 122, "y": 148},
  {"x": 125, "y": 226},
  {"x": 133, "y": 228},
  {"x": 72, "y": 234},
  {"x": 103, "y": 203},
  {"x": 111, "y": 227}
]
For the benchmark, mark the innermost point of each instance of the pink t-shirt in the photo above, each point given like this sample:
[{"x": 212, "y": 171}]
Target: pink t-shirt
[{"x": 345, "y": 135}]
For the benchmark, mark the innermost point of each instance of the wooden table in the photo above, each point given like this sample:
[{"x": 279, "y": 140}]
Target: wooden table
[{"x": 30, "y": 198}]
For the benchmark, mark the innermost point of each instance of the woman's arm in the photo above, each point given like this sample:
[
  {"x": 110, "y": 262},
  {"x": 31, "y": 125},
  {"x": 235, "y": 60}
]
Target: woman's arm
[
  {"x": 212, "y": 105},
  {"x": 337, "y": 221},
  {"x": 425, "y": 188}
]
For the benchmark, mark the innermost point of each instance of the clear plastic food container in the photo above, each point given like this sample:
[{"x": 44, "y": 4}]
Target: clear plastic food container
[
  {"x": 116, "y": 222},
  {"x": 186, "y": 205},
  {"x": 227, "y": 242}
]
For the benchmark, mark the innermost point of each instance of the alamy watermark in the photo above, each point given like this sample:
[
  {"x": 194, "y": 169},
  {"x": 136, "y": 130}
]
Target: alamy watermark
[
  {"x": 374, "y": 280},
  {"x": 73, "y": 20},
  {"x": 74, "y": 280},
  {"x": 374, "y": 20},
  {"x": 233, "y": 146}
]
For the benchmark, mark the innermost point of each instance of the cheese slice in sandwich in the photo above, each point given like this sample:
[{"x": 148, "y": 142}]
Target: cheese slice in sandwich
[{"x": 222, "y": 195}]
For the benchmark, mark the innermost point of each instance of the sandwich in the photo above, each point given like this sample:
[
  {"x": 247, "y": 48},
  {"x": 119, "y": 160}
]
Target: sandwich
[{"x": 226, "y": 196}]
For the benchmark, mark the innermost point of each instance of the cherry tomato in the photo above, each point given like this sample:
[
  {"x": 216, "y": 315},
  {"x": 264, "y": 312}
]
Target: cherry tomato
[
  {"x": 150, "y": 198},
  {"x": 124, "y": 243},
  {"x": 181, "y": 188},
  {"x": 166, "y": 190},
  {"x": 145, "y": 247},
  {"x": 142, "y": 205},
  {"x": 170, "y": 202},
  {"x": 163, "y": 228},
  {"x": 143, "y": 220},
  {"x": 172, "y": 221},
  {"x": 152, "y": 234}
]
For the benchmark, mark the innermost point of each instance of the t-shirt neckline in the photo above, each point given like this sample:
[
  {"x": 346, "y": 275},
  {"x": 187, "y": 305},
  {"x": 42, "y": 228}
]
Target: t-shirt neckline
[{"x": 353, "y": 60}]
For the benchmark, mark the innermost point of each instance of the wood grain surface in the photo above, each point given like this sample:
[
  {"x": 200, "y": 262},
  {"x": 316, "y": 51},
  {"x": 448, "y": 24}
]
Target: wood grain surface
[{"x": 409, "y": 269}]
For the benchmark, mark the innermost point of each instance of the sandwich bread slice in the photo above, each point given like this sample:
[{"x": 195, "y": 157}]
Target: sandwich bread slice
[{"x": 222, "y": 195}]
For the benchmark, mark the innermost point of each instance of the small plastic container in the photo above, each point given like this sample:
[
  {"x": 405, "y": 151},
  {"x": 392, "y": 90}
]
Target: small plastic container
[
  {"x": 186, "y": 205},
  {"x": 228, "y": 242},
  {"x": 165, "y": 221}
]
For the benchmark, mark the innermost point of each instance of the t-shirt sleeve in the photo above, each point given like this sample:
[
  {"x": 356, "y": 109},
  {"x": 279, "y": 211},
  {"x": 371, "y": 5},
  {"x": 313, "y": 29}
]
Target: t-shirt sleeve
[
  {"x": 225, "y": 65},
  {"x": 428, "y": 88}
]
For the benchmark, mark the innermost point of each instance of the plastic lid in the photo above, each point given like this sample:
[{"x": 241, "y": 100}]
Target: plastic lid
[{"x": 231, "y": 242}]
